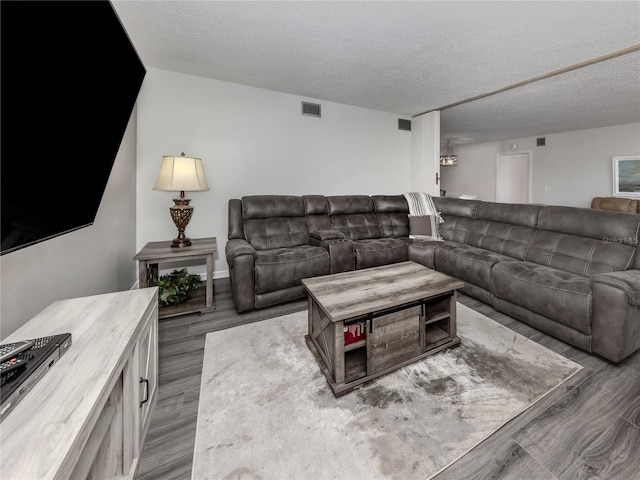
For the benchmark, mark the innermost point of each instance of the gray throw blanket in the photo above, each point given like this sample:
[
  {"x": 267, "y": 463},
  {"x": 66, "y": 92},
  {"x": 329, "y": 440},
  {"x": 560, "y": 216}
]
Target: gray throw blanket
[{"x": 421, "y": 203}]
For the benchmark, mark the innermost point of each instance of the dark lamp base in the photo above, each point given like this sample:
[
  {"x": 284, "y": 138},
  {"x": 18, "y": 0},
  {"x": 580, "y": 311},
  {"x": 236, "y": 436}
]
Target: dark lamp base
[
  {"x": 181, "y": 214},
  {"x": 181, "y": 242}
]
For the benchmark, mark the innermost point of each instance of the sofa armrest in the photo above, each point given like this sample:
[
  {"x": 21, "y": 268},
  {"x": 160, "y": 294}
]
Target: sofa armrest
[
  {"x": 628, "y": 281},
  {"x": 341, "y": 254},
  {"x": 325, "y": 235},
  {"x": 236, "y": 248},
  {"x": 615, "y": 327},
  {"x": 241, "y": 259}
]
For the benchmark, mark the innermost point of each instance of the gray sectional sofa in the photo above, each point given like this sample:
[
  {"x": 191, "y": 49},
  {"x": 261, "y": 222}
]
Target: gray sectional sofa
[{"x": 573, "y": 273}]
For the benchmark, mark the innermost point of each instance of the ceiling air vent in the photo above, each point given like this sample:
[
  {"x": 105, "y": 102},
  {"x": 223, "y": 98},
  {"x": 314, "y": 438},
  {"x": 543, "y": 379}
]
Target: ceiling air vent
[
  {"x": 541, "y": 142},
  {"x": 404, "y": 124},
  {"x": 311, "y": 109}
]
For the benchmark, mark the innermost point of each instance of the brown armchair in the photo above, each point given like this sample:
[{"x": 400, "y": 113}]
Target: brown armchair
[{"x": 616, "y": 204}]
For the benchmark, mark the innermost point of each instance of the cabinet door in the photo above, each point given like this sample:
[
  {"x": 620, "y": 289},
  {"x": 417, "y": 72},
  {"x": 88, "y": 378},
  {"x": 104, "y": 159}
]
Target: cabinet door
[
  {"x": 148, "y": 371},
  {"x": 394, "y": 338}
]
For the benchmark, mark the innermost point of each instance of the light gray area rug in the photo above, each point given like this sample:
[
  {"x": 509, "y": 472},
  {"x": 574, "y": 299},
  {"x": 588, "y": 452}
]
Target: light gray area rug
[{"x": 267, "y": 412}]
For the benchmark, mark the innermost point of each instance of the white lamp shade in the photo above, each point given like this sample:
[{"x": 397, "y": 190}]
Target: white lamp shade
[{"x": 181, "y": 174}]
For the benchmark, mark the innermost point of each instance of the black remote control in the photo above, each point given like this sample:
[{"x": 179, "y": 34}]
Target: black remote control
[
  {"x": 10, "y": 350},
  {"x": 11, "y": 365}
]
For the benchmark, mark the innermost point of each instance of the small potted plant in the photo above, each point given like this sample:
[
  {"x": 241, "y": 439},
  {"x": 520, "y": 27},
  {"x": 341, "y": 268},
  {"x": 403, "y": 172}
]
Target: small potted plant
[{"x": 177, "y": 287}]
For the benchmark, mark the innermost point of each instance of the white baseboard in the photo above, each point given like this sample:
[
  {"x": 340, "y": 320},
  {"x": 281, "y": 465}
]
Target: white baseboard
[{"x": 216, "y": 274}]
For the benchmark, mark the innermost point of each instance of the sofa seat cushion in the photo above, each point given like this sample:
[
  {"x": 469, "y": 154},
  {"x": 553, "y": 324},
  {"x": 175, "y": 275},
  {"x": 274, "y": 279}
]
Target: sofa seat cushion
[
  {"x": 285, "y": 267},
  {"x": 559, "y": 295},
  {"x": 379, "y": 251},
  {"x": 470, "y": 264}
]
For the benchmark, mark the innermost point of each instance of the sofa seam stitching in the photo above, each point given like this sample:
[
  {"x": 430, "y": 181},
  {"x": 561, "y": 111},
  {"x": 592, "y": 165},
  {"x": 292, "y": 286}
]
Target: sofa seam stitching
[{"x": 546, "y": 286}]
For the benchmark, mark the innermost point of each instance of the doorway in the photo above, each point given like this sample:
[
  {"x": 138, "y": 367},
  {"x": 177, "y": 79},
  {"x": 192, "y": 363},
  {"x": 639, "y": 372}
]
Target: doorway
[{"x": 513, "y": 178}]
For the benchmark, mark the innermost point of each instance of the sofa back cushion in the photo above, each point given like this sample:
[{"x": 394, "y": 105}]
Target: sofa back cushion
[
  {"x": 315, "y": 205},
  {"x": 458, "y": 215},
  {"x": 354, "y": 216},
  {"x": 349, "y": 204},
  {"x": 455, "y": 229},
  {"x": 511, "y": 240},
  {"x": 393, "y": 215},
  {"x": 358, "y": 226},
  {"x": 316, "y": 209},
  {"x": 584, "y": 241},
  {"x": 504, "y": 228},
  {"x": 524, "y": 215},
  {"x": 274, "y": 221},
  {"x": 457, "y": 207}
]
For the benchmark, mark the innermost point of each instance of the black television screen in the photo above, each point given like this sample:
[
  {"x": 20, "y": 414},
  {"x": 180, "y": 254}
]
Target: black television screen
[{"x": 70, "y": 80}]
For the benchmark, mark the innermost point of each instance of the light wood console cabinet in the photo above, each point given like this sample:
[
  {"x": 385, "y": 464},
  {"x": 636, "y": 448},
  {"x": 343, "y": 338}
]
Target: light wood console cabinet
[{"x": 88, "y": 415}]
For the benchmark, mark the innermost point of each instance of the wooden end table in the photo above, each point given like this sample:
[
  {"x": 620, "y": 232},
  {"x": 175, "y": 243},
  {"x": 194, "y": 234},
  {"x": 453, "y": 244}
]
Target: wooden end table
[{"x": 155, "y": 253}]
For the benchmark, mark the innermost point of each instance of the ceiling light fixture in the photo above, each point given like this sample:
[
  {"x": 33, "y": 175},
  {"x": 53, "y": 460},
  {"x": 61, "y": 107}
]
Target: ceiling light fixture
[{"x": 448, "y": 159}]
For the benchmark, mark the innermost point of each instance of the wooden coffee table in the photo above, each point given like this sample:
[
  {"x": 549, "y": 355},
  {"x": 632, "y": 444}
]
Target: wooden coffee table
[{"x": 406, "y": 311}]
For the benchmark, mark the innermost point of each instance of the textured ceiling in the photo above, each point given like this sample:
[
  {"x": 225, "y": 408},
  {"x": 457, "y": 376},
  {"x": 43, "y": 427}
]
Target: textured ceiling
[{"x": 409, "y": 57}]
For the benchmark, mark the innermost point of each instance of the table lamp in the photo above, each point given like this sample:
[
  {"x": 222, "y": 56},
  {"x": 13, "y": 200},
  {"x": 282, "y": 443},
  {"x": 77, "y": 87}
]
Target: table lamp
[{"x": 181, "y": 174}]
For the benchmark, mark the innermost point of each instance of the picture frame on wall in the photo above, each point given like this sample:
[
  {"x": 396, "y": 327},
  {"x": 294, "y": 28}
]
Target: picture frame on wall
[{"x": 626, "y": 176}]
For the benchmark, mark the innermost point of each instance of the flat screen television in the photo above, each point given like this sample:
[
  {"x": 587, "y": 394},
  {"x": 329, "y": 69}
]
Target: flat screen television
[{"x": 70, "y": 80}]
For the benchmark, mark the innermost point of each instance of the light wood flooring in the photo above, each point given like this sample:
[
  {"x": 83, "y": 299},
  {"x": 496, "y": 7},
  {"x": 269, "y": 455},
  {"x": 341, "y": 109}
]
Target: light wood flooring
[{"x": 588, "y": 428}]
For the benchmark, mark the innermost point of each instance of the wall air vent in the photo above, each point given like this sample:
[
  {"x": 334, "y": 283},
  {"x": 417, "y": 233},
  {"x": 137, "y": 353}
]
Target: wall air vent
[
  {"x": 311, "y": 109},
  {"x": 541, "y": 142},
  {"x": 404, "y": 124}
]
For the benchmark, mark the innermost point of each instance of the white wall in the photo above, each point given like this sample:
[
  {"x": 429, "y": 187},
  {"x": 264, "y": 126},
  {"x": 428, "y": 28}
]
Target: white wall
[
  {"x": 577, "y": 166},
  {"x": 573, "y": 166},
  {"x": 254, "y": 141},
  {"x": 93, "y": 260},
  {"x": 475, "y": 173}
]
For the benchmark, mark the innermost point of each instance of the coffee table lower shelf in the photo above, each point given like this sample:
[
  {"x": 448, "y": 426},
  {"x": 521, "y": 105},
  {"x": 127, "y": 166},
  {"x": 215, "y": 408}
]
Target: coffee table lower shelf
[{"x": 353, "y": 378}]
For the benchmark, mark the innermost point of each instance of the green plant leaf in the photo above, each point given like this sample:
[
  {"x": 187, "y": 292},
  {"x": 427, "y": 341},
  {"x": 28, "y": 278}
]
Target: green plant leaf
[{"x": 177, "y": 286}]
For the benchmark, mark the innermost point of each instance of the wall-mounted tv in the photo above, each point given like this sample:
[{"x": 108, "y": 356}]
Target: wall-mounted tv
[{"x": 70, "y": 80}]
